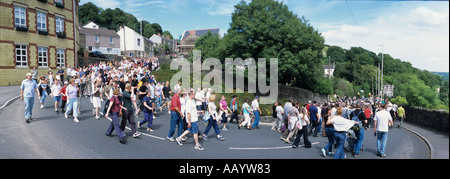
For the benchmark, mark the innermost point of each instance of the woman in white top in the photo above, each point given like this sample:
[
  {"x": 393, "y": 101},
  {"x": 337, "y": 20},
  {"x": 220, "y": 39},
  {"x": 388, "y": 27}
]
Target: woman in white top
[
  {"x": 56, "y": 93},
  {"x": 212, "y": 122},
  {"x": 293, "y": 117},
  {"x": 303, "y": 129}
]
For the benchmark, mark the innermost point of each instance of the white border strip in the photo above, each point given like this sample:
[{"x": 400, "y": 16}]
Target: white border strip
[{"x": 156, "y": 137}]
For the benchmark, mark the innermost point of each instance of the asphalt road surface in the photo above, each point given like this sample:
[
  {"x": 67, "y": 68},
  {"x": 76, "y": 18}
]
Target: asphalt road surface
[{"x": 51, "y": 136}]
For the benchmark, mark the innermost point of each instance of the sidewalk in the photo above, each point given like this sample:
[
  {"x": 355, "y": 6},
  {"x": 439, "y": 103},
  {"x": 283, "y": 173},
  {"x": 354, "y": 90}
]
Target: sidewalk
[{"x": 7, "y": 93}]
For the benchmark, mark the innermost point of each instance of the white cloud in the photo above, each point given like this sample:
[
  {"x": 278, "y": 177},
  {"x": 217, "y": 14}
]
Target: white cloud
[{"x": 419, "y": 35}]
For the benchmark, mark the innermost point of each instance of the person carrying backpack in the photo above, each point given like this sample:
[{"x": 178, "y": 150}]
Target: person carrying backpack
[{"x": 358, "y": 116}]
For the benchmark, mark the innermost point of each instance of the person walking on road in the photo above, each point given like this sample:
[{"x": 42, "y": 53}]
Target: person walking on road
[
  {"x": 246, "y": 111},
  {"x": 56, "y": 93},
  {"x": 341, "y": 126},
  {"x": 256, "y": 112},
  {"x": 212, "y": 121},
  {"x": 149, "y": 106},
  {"x": 176, "y": 117},
  {"x": 115, "y": 106},
  {"x": 27, "y": 95},
  {"x": 71, "y": 92},
  {"x": 128, "y": 115},
  {"x": 382, "y": 122},
  {"x": 303, "y": 129},
  {"x": 401, "y": 115},
  {"x": 192, "y": 120}
]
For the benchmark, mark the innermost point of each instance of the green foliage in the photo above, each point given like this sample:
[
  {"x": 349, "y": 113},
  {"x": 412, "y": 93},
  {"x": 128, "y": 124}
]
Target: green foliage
[
  {"x": 399, "y": 100},
  {"x": 267, "y": 29}
]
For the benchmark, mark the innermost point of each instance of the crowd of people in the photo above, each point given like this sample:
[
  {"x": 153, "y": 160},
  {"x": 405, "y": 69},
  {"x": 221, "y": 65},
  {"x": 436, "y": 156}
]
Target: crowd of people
[
  {"x": 125, "y": 89},
  {"x": 340, "y": 121}
]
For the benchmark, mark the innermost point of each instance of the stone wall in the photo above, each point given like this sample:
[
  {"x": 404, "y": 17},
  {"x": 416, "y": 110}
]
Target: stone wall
[
  {"x": 435, "y": 119},
  {"x": 299, "y": 94}
]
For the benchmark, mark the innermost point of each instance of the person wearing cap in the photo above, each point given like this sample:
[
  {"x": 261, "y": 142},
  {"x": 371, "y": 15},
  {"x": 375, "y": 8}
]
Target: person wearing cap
[
  {"x": 256, "y": 112},
  {"x": 27, "y": 95}
]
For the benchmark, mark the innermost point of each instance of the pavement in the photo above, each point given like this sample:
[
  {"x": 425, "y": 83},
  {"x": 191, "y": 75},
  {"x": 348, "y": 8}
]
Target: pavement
[{"x": 52, "y": 136}]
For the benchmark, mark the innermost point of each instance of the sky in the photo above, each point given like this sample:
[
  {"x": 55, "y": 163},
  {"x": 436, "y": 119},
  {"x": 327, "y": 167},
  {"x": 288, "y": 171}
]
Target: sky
[{"x": 413, "y": 31}]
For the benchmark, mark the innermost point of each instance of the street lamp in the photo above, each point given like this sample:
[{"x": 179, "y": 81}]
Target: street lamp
[{"x": 382, "y": 69}]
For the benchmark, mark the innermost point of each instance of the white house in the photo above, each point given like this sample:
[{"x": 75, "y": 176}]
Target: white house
[
  {"x": 95, "y": 38},
  {"x": 158, "y": 39},
  {"x": 131, "y": 43}
]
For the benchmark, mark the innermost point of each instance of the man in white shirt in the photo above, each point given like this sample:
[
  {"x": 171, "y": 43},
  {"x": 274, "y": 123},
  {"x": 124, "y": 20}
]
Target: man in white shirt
[
  {"x": 382, "y": 121},
  {"x": 256, "y": 112},
  {"x": 191, "y": 119}
]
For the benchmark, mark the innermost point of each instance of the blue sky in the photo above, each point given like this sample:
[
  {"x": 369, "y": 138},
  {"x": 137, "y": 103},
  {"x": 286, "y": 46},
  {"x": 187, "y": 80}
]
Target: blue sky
[{"x": 414, "y": 31}]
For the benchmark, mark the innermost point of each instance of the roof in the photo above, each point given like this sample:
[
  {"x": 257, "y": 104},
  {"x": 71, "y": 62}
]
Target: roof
[
  {"x": 199, "y": 32},
  {"x": 102, "y": 31}
]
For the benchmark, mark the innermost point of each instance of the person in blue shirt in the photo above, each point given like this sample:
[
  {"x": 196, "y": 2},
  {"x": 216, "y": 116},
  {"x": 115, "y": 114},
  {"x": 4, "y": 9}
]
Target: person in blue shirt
[
  {"x": 314, "y": 117},
  {"x": 27, "y": 95},
  {"x": 148, "y": 112}
]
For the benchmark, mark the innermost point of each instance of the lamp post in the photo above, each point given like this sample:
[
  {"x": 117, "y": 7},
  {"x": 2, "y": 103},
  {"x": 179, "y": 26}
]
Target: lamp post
[{"x": 382, "y": 69}]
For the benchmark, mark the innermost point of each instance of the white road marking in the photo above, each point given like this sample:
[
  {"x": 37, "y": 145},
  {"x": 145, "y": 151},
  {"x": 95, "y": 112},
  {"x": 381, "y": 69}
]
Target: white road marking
[
  {"x": 268, "y": 148},
  {"x": 156, "y": 137}
]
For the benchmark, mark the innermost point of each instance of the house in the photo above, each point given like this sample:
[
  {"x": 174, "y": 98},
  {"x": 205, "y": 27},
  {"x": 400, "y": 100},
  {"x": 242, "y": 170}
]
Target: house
[
  {"x": 187, "y": 41},
  {"x": 37, "y": 33},
  {"x": 161, "y": 41},
  {"x": 131, "y": 43},
  {"x": 95, "y": 38},
  {"x": 149, "y": 50}
]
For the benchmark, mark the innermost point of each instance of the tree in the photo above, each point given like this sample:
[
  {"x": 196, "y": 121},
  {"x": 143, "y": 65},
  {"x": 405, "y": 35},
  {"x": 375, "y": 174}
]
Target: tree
[
  {"x": 267, "y": 29},
  {"x": 89, "y": 12}
]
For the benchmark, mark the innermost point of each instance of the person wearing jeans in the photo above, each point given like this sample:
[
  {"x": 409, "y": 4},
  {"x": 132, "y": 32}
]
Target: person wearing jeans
[
  {"x": 71, "y": 92},
  {"x": 256, "y": 112},
  {"x": 382, "y": 122},
  {"x": 176, "y": 117},
  {"x": 27, "y": 95}
]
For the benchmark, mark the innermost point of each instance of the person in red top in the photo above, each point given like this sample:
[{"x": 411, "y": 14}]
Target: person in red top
[
  {"x": 176, "y": 117},
  {"x": 64, "y": 97},
  {"x": 368, "y": 114}
]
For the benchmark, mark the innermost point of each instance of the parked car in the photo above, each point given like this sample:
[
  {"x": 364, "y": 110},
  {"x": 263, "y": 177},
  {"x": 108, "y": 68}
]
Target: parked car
[{"x": 97, "y": 54}]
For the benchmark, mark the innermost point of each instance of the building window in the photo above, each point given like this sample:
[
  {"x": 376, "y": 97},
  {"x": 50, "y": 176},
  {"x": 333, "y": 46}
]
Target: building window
[
  {"x": 21, "y": 55},
  {"x": 138, "y": 42},
  {"x": 111, "y": 40},
  {"x": 59, "y": 25},
  {"x": 109, "y": 50},
  {"x": 60, "y": 58},
  {"x": 97, "y": 39},
  {"x": 42, "y": 57},
  {"x": 20, "y": 17},
  {"x": 42, "y": 22}
]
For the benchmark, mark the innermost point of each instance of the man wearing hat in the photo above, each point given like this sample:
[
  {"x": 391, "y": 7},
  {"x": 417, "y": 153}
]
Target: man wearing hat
[
  {"x": 256, "y": 112},
  {"x": 27, "y": 94}
]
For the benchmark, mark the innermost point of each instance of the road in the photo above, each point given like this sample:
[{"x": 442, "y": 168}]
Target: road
[{"x": 51, "y": 136}]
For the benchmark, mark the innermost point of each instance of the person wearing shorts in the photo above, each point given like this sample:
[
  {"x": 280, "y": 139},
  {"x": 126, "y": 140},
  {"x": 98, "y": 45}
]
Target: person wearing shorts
[
  {"x": 191, "y": 118},
  {"x": 56, "y": 92}
]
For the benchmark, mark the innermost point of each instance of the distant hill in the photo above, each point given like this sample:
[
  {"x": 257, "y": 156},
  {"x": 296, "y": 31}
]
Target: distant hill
[{"x": 444, "y": 75}]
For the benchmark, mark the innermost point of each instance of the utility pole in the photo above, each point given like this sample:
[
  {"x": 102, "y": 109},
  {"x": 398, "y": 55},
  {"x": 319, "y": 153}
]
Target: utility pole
[
  {"x": 382, "y": 70},
  {"x": 329, "y": 67}
]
